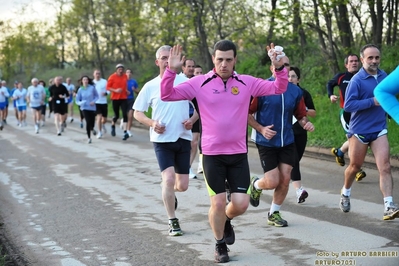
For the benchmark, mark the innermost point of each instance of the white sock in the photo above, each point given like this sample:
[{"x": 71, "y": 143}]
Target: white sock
[
  {"x": 346, "y": 191},
  {"x": 387, "y": 201},
  {"x": 274, "y": 208},
  {"x": 256, "y": 185},
  {"x": 299, "y": 190}
]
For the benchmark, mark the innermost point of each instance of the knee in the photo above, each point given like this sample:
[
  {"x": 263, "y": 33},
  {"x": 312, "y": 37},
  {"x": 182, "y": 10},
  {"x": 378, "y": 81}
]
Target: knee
[
  {"x": 219, "y": 205},
  {"x": 239, "y": 206},
  {"x": 181, "y": 186}
]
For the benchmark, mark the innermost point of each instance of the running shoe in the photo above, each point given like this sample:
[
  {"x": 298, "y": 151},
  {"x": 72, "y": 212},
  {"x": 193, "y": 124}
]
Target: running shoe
[
  {"x": 391, "y": 212},
  {"x": 125, "y": 136},
  {"x": 276, "y": 220},
  {"x": 99, "y": 135},
  {"x": 191, "y": 174},
  {"x": 221, "y": 253},
  {"x": 345, "y": 203},
  {"x": 360, "y": 175},
  {"x": 71, "y": 120},
  {"x": 81, "y": 124},
  {"x": 229, "y": 234},
  {"x": 1, "y": 127},
  {"x": 89, "y": 141},
  {"x": 129, "y": 133},
  {"x": 301, "y": 196},
  {"x": 113, "y": 131},
  {"x": 121, "y": 124},
  {"x": 36, "y": 129},
  {"x": 58, "y": 133},
  {"x": 174, "y": 227},
  {"x": 339, "y": 159},
  {"x": 255, "y": 193},
  {"x": 94, "y": 132}
]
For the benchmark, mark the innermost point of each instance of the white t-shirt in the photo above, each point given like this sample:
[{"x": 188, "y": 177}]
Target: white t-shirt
[
  {"x": 172, "y": 114},
  {"x": 101, "y": 87},
  {"x": 36, "y": 95}
]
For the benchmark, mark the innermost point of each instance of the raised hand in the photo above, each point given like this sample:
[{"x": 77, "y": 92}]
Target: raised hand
[
  {"x": 276, "y": 55},
  {"x": 176, "y": 59}
]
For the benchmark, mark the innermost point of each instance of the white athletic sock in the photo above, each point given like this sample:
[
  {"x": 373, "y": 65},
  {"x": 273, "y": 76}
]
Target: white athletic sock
[
  {"x": 274, "y": 208},
  {"x": 387, "y": 201},
  {"x": 256, "y": 185},
  {"x": 346, "y": 192},
  {"x": 299, "y": 191}
]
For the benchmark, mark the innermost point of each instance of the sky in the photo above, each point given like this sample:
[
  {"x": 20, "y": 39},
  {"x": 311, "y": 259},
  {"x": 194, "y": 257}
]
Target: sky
[{"x": 11, "y": 9}]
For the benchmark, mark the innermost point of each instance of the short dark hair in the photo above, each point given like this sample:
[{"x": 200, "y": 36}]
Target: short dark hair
[
  {"x": 198, "y": 66},
  {"x": 188, "y": 59},
  {"x": 42, "y": 81},
  {"x": 225, "y": 45},
  {"x": 347, "y": 57},
  {"x": 296, "y": 70},
  {"x": 370, "y": 45}
]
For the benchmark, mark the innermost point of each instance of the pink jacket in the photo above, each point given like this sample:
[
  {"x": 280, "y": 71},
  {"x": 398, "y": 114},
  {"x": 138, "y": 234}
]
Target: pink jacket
[{"x": 223, "y": 106}]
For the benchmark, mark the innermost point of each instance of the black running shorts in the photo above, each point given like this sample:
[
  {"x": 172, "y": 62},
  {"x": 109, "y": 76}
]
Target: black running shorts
[
  {"x": 270, "y": 157},
  {"x": 233, "y": 168}
]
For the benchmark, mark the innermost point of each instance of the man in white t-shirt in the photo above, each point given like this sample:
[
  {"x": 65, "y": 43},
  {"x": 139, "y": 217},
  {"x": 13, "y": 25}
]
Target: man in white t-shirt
[
  {"x": 35, "y": 97},
  {"x": 170, "y": 132},
  {"x": 101, "y": 103}
]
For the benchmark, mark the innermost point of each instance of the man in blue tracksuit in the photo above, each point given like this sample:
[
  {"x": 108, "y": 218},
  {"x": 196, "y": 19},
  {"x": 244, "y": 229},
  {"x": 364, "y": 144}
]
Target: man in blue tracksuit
[
  {"x": 275, "y": 142},
  {"x": 368, "y": 127}
]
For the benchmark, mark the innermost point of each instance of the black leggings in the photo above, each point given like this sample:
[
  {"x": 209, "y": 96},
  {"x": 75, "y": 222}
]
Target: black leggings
[
  {"x": 122, "y": 104},
  {"x": 90, "y": 117},
  {"x": 300, "y": 144}
]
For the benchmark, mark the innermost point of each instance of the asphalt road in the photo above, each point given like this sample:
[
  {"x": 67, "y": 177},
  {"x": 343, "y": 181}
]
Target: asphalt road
[{"x": 66, "y": 202}]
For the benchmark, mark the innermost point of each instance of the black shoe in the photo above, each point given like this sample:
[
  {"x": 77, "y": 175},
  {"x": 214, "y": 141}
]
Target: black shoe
[
  {"x": 221, "y": 254},
  {"x": 5, "y": 122},
  {"x": 94, "y": 132},
  {"x": 125, "y": 136},
  {"x": 113, "y": 131},
  {"x": 176, "y": 203},
  {"x": 229, "y": 234},
  {"x": 228, "y": 192}
]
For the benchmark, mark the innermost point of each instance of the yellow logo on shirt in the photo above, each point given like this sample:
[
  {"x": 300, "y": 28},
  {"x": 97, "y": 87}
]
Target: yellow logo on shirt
[{"x": 234, "y": 90}]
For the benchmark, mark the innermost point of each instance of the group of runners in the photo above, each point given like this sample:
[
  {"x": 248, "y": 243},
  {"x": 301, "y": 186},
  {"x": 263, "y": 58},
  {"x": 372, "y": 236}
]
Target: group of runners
[{"x": 193, "y": 110}]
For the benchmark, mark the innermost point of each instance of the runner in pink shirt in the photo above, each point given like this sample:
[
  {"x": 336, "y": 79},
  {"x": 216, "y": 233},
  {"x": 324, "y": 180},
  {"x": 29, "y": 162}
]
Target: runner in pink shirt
[{"x": 223, "y": 101}]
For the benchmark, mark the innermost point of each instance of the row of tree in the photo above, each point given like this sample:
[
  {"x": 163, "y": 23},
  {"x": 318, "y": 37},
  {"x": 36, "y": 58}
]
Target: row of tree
[{"x": 99, "y": 33}]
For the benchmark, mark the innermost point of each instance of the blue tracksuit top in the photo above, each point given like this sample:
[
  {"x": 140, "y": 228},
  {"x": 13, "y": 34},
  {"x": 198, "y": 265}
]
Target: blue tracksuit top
[
  {"x": 386, "y": 93},
  {"x": 278, "y": 110},
  {"x": 366, "y": 117}
]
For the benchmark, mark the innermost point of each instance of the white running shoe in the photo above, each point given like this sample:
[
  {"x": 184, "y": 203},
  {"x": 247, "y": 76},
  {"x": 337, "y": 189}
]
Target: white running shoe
[
  {"x": 129, "y": 133},
  {"x": 89, "y": 141},
  {"x": 191, "y": 175},
  {"x": 36, "y": 129},
  {"x": 99, "y": 135}
]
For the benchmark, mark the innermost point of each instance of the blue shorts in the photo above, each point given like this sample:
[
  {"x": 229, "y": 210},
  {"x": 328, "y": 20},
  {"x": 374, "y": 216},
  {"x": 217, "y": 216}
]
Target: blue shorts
[
  {"x": 15, "y": 104},
  {"x": 3, "y": 105},
  {"x": 21, "y": 108},
  {"x": 370, "y": 137},
  {"x": 175, "y": 154}
]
